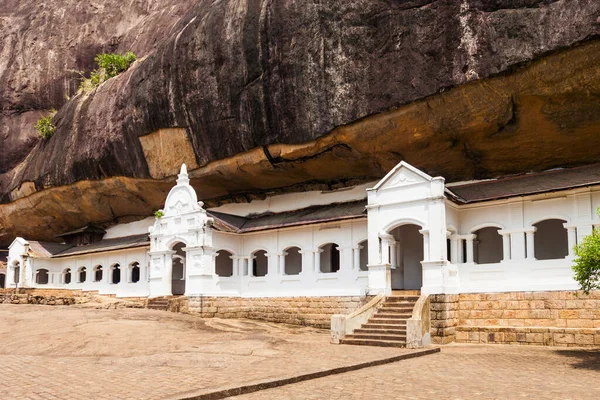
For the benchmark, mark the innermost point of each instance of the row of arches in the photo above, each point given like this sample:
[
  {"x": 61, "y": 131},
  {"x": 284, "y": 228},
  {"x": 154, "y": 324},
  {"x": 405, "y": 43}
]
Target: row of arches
[
  {"x": 550, "y": 241},
  {"x": 81, "y": 275},
  {"x": 329, "y": 260}
]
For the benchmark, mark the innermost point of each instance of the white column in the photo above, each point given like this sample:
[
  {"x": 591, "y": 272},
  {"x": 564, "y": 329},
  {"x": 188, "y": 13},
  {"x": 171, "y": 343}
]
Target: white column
[
  {"x": 425, "y": 234},
  {"x": 470, "y": 239},
  {"x": 454, "y": 241},
  {"x": 385, "y": 248},
  {"x": 282, "y": 263},
  {"x": 356, "y": 257},
  {"x": 530, "y": 244},
  {"x": 572, "y": 239},
  {"x": 517, "y": 245},
  {"x": 394, "y": 254},
  {"x": 505, "y": 246},
  {"x": 317, "y": 261}
]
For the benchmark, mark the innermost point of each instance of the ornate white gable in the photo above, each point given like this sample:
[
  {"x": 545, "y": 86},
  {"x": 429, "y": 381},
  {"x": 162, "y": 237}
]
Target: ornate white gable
[
  {"x": 403, "y": 174},
  {"x": 182, "y": 198}
]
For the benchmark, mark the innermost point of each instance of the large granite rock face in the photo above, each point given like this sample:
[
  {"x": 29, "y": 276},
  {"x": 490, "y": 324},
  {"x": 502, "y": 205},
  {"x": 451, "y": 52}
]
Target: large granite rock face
[{"x": 261, "y": 95}]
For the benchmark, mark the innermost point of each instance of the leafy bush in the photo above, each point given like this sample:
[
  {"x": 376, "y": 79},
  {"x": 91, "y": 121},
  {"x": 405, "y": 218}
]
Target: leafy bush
[
  {"x": 109, "y": 66},
  {"x": 587, "y": 263},
  {"x": 159, "y": 213},
  {"x": 45, "y": 126}
]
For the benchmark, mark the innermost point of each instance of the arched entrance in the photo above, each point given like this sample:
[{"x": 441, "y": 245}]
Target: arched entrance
[
  {"x": 406, "y": 255},
  {"x": 2, "y": 280},
  {"x": 178, "y": 270}
]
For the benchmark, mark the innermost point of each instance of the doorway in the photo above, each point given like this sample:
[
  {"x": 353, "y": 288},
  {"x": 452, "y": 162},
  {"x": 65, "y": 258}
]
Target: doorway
[
  {"x": 407, "y": 271},
  {"x": 178, "y": 270}
]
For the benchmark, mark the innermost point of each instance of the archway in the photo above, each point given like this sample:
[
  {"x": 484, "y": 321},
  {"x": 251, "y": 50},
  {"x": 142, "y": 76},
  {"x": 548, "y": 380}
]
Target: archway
[
  {"x": 135, "y": 272},
  {"x": 224, "y": 263},
  {"x": 406, "y": 256},
  {"x": 550, "y": 240},
  {"x": 329, "y": 258},
  {"x": 67, "y": 276},
  {"x": 260, "y": 263},
  {"x": 488, "y": 246},
  {"x": 178, "y": 270},
  {"x": 292, "y": 261},
  {"x": 41, "y": 276}
]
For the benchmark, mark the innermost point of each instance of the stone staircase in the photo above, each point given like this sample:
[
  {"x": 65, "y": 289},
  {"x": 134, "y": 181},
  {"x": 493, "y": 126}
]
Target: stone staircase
[
  {"x": 388, "y": 326},
  {"x": 158, "y": 303}
]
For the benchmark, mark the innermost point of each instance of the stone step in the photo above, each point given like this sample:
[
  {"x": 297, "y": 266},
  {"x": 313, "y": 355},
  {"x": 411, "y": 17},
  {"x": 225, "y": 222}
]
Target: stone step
[
  {"x": 393, "y": 315},
  {"x": 396, "y": 309},
  {"x": 402, "y": 298},
  {"x": 371, "y": 342},
  {"x": 380, "y": 331},
  {"x": 385, "y": 321},
  {"x": 394, "y": 338}
]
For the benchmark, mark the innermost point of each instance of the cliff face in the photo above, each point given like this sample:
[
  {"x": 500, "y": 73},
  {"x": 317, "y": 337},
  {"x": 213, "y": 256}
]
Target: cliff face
[{"x": 261, "y": 95}]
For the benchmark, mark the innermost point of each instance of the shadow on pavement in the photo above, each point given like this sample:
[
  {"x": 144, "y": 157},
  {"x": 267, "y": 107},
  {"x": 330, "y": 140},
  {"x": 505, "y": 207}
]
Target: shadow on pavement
[{"x": 587, "y": 359}]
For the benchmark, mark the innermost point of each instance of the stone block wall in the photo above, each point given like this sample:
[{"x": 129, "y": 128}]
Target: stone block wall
[
  {"x": 311, "y": 311},
  {"x": 557, "y": 318},
  {"x": 444, "y": 318}
]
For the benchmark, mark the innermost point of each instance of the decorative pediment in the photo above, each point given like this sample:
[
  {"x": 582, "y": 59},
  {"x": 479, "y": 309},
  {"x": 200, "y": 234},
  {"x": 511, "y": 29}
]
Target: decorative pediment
[
  {"x": 182, "y": 198},
  {"x": 403, "y": 174}
]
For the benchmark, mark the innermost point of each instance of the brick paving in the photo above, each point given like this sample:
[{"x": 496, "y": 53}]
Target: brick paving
[
  {"x": 461, "y": 372},
  {"x": 76, "y": 353}
]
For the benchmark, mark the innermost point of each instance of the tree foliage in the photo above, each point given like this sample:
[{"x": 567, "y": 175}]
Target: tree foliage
[
  {"x": 587, "y": 262},
  {"x": 109, "y": 66},
  {"x": 45, "y": 126}
]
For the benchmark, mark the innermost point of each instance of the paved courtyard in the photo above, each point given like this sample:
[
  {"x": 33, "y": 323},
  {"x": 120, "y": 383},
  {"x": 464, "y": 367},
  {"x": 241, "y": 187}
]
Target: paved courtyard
[{"x": 81, "y": 353}]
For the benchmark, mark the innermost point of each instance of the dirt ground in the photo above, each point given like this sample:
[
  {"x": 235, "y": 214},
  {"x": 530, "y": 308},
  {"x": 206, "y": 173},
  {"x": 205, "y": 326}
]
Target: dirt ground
[{"x": 81, "y": 353}]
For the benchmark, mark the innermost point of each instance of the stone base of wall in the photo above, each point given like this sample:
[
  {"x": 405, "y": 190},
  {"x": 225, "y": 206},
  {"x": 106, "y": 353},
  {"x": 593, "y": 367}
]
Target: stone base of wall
[
  {"x": 444, "y": 318},
  {"x": 64, "y": 297},
  {"x": 310, "y": 311},
  {"x": 568, "y": 337},
  {"x": 557, "y": 318}
]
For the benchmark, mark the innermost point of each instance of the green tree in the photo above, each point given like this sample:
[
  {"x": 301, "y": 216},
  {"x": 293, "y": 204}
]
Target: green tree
[{"x": 587, "y": 262}]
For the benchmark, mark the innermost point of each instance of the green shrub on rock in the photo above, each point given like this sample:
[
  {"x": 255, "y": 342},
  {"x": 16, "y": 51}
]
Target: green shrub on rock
[
  {"x": 109, "y": 66},
  {"x": 45, "y": 126}
]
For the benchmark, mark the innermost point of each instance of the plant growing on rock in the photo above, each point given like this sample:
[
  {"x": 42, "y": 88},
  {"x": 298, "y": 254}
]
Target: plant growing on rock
[
  {"x": 587, "y": 263},
  {"x": 109, "y": 66},
  {"x": 158, "y": 214},
  {"x": 45, "y": 126}
]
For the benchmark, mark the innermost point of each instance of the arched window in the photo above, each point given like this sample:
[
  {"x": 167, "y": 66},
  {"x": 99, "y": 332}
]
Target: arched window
[
  {"x": 98, "y": 273},
  {"x": 487, "y": 247},
  {"x": 17, "y": 273},
  {"x": 41, "y": 276},
  {"x": 292, "y": 261},
  {"x": 82, "y": 274},
  {"x": 329, "y": 258},
  {"x": 115, "y": 274},
  {"x": 550, "y": 240},
  {"x": 135, "y": 272},
  {"x": 363, "y": 249},
  {"x": 2, "y": 281},
  {"x": 67, "y": 276},
  {"x": 224, "y": 263},
  {"x": 260, "y": 263}
]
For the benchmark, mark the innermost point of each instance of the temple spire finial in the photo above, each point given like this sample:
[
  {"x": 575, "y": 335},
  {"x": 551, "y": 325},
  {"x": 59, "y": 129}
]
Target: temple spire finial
[{"x": 182, "y": 178}]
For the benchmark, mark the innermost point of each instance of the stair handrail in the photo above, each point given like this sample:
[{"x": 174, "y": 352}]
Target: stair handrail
[
  {"x": 342, "y": 325},
  {"x": 418, "y": 326}
]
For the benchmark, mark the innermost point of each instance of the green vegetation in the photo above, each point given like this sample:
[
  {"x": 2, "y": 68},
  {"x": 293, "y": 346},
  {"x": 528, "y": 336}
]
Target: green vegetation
[
  {"x": 109, "y": 66},
  {"x": 158, "y": 214},
  {"x": 587, "y": 263},
  {"x": 45, "y": 126}
]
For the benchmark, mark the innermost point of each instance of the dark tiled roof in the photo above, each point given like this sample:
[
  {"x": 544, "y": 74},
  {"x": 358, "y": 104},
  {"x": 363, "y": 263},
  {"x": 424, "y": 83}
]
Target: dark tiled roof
[
  {"x": 533, "y": 183},
  {"x": 46, "y": 249},
  {"x": 125, "y": 242},
  {"x": 87, "y": 228},
  {"x": 304, "y": 216}
]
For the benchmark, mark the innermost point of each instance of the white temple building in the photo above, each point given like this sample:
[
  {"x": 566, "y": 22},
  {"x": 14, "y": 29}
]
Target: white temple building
[{"x": 407, "y": 231}]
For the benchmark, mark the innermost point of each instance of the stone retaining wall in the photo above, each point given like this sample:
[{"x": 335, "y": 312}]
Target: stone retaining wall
[
  {"x": 558, "y": 318},
  {"x": 444, "y": 318},
  {"x": 311, "y": 311},
  {"x": 64, "y": 297}
]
